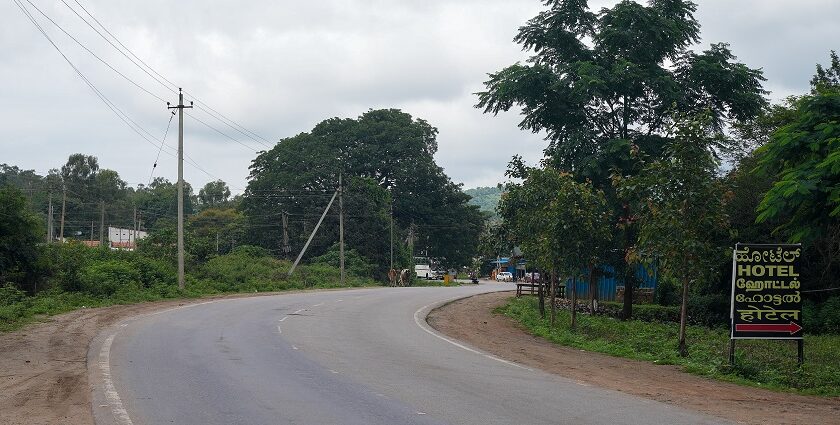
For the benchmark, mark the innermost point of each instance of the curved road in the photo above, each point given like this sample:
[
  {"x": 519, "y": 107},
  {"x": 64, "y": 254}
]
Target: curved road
[{"x": 362, "y": 356}]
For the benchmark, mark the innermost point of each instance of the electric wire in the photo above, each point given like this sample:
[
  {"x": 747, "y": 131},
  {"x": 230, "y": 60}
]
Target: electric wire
[
  {"x": 219, "y": 116},
  {"x": 162, "y": 142}
]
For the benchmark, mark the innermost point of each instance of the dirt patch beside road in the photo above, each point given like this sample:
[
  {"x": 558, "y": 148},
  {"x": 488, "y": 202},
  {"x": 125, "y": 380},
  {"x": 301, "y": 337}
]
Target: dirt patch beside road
[{"x": 472, "y": 320}]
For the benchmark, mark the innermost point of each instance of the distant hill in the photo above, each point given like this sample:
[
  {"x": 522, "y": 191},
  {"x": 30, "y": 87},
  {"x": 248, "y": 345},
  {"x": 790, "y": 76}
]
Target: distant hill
[{"x": 486, "y": 198}]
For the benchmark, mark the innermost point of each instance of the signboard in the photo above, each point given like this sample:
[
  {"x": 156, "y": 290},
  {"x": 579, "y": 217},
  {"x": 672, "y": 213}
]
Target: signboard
[{"x": 766, "y": 297}]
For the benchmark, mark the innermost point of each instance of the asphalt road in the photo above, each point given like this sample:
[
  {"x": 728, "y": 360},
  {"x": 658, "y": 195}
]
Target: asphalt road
[{"x": 362, "y": 356}]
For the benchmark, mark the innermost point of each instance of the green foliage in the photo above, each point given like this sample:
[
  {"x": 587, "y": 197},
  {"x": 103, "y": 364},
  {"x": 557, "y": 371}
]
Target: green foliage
[
  {"x": 822, "y": 318},
  {"x": 104, "y": 279},
  {"x": 760, "y": 363},
  {"x": 560, "y": 224},
  {"x": 388, "y": 149},
  {"x": 804, "y": 157},
  {"x": 214, "y": 194},
  {"x": 20, "y": 233},
  {"x": 602, "y": 83},
  {"x": 679, "y": 205},
  {"x": 643, "y": 312},
  {"x": 486, "y": 199},
  {"x": 354, "y": 263}
]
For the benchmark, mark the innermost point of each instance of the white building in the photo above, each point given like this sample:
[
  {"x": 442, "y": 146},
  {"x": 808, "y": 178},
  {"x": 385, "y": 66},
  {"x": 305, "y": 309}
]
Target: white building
[{"x": 121, "y": 238}]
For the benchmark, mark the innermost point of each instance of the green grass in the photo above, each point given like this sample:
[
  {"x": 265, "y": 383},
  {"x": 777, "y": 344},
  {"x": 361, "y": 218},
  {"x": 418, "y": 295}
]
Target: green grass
[{"x": 760, "y": 363}]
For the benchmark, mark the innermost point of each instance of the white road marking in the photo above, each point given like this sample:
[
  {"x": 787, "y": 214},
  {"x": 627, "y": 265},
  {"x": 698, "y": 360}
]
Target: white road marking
[
  {"x": 279, "y": 330},
  {"x": 421, "y": 323},
  {"x": 333, "y": 371},
  {"x": 298, "y": 311},
  {"x": 284, "y": 318},
  {"x": 318, "y": 305},
  {"x": 421, "y": 413},
  {"x": 338, "y": 301},
  {"x": 110, "y": 391},
  {"x": 111, "y": 395},
  {"x": 294, "y": 347}
]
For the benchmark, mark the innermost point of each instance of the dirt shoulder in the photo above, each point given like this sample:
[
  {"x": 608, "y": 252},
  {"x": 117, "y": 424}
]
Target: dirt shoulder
[{"x": 472, "y": 320}]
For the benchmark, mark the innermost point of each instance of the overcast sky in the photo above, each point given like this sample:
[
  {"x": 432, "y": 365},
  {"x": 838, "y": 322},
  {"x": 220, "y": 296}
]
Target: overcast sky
[{"x": 279, "y": 67}]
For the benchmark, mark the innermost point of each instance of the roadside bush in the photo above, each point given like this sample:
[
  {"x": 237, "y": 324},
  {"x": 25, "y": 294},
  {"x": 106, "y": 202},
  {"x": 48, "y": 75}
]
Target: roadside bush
[
  {"x": 106, "y": 278},
  {"x": 354, "y": 262},
  {"x": 710, "y": 310},
  {"x": 9, "y": 295},
  {"x": 643, "y": 312},
  {"x": 830, "y": 316},
  {"x": 154, "y": 272}
]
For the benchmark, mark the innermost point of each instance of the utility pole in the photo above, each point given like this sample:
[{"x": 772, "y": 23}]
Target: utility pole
[
  {"x": 133, "y": 241},
  {"x": 180, "y": 109},
  {"x": 91, "y": 230},
  {"x": 101, "y": 223},
  {"x": 50, "y": 221},
  {"x": 392, "y": 235},
  {"x": 341, "y": 227},
  {"x": 63, "y": 205},
  {"x": 217, "y": 242},
  {"x": 286, "y": 248},
  {"x": 312, "y": 235}
]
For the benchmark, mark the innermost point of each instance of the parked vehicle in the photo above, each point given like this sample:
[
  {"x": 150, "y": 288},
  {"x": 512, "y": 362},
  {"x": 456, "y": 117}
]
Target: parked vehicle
[
  {"x": 423, "y": 271},
  {"x": 437, "y": 274},
  {"x": 504, "y": 277}
]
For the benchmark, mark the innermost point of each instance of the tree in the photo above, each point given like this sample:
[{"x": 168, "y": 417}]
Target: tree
[
  {"x": 160, "y": 200},
  {"x": 605, "y": 85},
  {"x": 802, "y": 157},
  {"x": 20, "y": 233},
  {"x": 561, "y": 225},
  {"x": 389, "y": 148},
  {"x": 679, "y": 206},
  {"x": 213, "y": 194}
]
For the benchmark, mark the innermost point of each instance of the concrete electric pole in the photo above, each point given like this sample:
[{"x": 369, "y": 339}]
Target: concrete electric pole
[
  {"x": 180, "y": 109},
  {"x": 63, "y": 206},
  {"x": 341, "y": 226}
]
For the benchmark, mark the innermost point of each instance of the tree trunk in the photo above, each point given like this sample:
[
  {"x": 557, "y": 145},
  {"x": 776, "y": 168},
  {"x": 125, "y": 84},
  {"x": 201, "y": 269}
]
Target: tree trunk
[
  {"x": 541, "y": 295},
  {"x": 683, "y": 316},
  {"x": 593, "y": 290},
  {"x": 629, "y": 287},
  {"x": 574, "y": 303},
  {"x": 553, "y": 295}
]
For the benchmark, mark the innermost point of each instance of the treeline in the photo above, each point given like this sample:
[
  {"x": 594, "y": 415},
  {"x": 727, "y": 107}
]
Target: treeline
[
  {"x": 392, "y": 191},
  {"x": 663, "y": 155}
]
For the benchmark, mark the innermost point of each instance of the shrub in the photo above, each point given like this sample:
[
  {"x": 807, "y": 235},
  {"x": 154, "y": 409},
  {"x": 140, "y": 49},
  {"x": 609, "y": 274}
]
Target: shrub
[
  {"x": 106, "y": 278},
  {"x": 642, "y": 312},
  {"x": 830, "y": 316},
  {"x": 709, "y": 309},
  {"x": 9, "y": 295},
  {"x": 354, "y": 262}
]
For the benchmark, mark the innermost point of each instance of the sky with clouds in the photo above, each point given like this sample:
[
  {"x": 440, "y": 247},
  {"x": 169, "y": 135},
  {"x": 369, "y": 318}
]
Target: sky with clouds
[{"x": 279, "y": 67}]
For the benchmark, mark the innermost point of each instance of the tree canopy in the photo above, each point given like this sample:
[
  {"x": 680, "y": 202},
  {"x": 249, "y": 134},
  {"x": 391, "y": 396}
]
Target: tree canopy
[
  {"x": 599, "y": 83},
  {"x": 387, "y": 147}
]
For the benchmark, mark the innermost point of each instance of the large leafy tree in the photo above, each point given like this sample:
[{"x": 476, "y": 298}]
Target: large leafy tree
[
  {"x": 386, "y": 147},
  {"x": 679, "y": 204},
  {"x": 213, "y": 194},
  {"x": 605, "y": 85}
]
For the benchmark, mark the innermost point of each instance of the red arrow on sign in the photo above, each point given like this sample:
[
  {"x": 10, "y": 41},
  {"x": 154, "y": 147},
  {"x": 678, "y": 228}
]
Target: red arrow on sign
[{"x": 763, "y": 327}]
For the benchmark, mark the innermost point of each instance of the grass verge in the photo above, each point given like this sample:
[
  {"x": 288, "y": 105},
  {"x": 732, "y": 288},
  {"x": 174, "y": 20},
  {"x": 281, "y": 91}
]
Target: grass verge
[{"x": 759, "y": 363}]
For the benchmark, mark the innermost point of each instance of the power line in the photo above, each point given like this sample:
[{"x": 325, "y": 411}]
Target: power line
[
  {"x": 172, "y": 86},
  {"x": 162, "y": 142},
  {"x": 94, "y": 54}
]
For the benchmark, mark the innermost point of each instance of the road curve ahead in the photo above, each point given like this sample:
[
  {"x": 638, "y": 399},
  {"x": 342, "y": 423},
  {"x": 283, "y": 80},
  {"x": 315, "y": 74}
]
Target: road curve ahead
[{"x": 362, "y": 356}]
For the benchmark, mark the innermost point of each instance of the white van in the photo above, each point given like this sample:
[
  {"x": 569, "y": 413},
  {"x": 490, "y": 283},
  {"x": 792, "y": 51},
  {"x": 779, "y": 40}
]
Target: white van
[{"x": 422, "y": 271}]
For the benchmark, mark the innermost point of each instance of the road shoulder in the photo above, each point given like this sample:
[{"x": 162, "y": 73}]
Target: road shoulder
[{"x": 472, "y": 321}]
